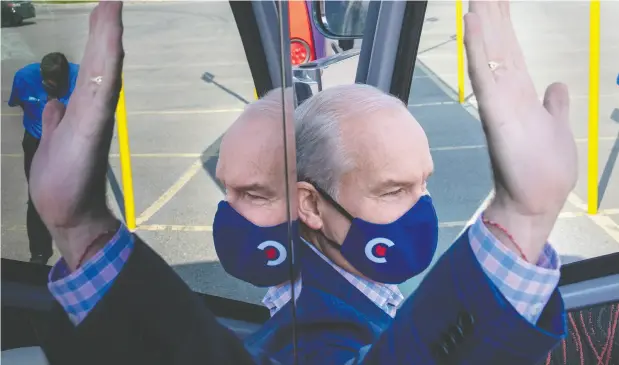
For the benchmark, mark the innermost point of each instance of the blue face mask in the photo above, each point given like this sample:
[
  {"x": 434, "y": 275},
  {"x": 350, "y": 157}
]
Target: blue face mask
[
  {"x": 257, "y": 255},
  {"x": 391, "y": 253}
]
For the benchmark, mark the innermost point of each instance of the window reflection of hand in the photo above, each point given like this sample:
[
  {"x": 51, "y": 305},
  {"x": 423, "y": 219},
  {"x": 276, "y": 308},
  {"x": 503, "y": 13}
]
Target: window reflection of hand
[{"x": 67, "y": 179}]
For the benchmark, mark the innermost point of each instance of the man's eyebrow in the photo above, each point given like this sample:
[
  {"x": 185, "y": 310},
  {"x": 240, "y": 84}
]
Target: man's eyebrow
[{"x": 390, "y": 183}]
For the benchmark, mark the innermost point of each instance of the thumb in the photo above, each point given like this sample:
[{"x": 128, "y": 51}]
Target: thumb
[
  {"x": 52, "y": 115},
  {"x": 557, "y": 101}
]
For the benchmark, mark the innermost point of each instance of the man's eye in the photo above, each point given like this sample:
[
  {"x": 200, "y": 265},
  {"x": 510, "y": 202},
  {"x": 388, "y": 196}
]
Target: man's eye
[
  {"x": 395, "y": 192},
  {"x": 254, "y": 197}
]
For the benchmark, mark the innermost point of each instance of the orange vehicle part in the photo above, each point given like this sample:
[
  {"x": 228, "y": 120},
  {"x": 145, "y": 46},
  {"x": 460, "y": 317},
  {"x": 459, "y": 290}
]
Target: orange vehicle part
[{"x": 302, "y": 48}]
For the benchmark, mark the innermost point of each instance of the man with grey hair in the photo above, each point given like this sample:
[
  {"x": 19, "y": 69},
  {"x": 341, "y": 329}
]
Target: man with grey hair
[
  {"x": 368, "y": 223},
  {"x": 491, "y": 298}
]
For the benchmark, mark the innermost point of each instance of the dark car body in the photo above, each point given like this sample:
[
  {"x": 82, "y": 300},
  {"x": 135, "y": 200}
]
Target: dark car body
[{"x": 14, "y": 12}]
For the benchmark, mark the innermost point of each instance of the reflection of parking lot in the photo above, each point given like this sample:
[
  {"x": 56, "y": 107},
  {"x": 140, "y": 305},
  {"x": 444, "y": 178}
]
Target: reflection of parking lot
[
  {"x": 554, "y": 38},
  {"x": 556, "y": 47},
  {"x": 175, "y": 121}
]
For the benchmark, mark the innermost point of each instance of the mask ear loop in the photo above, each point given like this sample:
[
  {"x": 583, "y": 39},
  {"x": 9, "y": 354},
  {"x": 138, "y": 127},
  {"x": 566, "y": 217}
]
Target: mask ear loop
[
  {"x": 331, "y": 201},
  {"x": 337, "y": 207}
]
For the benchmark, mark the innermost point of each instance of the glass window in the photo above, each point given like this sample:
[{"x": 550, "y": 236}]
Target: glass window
[
  {"x": 556, "y": 49},
  {"x": 186, "y": 82}
]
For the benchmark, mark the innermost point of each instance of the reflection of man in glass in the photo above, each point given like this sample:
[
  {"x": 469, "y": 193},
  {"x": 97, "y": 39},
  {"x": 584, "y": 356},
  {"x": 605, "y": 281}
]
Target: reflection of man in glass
[
  {"x": 33, "y": 85},
  {"x": 250, "y": 229}
]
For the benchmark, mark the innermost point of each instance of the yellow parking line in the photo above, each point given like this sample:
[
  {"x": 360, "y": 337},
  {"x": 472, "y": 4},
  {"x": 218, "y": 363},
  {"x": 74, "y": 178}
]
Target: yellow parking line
[
  {"x": 173, "y": 190},
  {"x": 175, "y": 227},
  {"x": 137, "y": 155},
  {"x": 163, "y": 112},
  {"x": 14, "y": 227},
  {"x": 600, "y": 219},
  {"x": 209, "y": 228}
]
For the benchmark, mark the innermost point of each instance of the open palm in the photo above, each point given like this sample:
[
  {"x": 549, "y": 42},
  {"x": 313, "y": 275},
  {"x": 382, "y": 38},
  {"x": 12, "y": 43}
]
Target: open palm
[
  {"x": 531, "y": 146},
  {"x": 67, "y": 178}
]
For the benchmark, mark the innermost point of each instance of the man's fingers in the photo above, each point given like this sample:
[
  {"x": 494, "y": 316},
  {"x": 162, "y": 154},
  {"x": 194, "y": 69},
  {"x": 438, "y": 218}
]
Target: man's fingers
[
  {"x": 479, "y": 71},
  {"x": 104, "y": 42},
  {"x": 557, "y": 101},
  {"x": 111, "y": 31},
  {"x": 90, "y": 58},
  {"x": 52, "y": 115}
]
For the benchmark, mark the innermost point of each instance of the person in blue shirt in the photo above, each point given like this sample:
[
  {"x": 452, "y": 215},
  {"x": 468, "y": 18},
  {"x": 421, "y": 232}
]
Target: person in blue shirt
[{"x": 33, "y": 85}]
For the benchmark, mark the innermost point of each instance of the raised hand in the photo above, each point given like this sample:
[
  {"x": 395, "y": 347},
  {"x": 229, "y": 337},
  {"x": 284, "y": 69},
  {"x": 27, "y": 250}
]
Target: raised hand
[
  {"x": 531, "y": 146},
  {"x": 67, "y": 178}
]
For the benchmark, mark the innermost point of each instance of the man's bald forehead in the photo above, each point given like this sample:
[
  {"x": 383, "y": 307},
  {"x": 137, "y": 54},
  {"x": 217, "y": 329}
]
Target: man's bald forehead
[
  {"x": 346, "y": 101},
  {"x": 273, "y": 104},
  {"x": 254, "y": 143},
  {"x": 263, "y": 118},
  {"x": 355, "y": 127}
]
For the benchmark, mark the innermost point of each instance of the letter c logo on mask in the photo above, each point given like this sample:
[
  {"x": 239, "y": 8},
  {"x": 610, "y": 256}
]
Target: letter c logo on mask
[
  {"x": 243, "y": 248},
  {"x": 376, "y": 249},
  {"x": 274, "y": 251}
]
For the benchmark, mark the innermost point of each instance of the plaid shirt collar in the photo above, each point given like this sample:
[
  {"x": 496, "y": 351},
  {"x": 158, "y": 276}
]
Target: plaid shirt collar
[{"x": 386, "y": 296}]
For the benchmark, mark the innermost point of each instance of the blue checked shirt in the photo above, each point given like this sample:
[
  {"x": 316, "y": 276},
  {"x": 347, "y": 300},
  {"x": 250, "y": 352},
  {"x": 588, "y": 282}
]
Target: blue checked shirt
[{"x": 526, "y": 286}]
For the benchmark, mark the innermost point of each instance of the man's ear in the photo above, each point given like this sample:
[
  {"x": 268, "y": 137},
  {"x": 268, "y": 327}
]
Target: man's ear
[{"x": 308, "y": 205}]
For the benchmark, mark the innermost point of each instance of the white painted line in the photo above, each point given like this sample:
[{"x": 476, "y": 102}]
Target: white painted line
[
  {"x": 174, "y": 227},
  {"x": 209, "y": 228},
  {"x": 601, "y": 220},
  {"x": 185, "y": 111},
  {"x": 438, "y": 103},
  {"x": 456, "y": 148},
  {"x": 204, "y": 65}
]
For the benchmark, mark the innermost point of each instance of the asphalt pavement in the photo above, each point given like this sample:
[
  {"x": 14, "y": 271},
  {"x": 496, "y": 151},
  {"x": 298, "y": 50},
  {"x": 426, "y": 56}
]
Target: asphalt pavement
[{"x": 176, "y": 119}]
